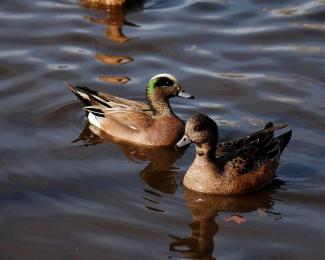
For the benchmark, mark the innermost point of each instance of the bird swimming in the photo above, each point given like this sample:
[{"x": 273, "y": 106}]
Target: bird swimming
[
  {"x": 233, "y": 167},
  {"x": 152, "y": 124}
]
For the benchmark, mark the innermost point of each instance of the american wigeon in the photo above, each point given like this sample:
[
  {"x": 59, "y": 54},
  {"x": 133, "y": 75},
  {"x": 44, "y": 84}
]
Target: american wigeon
[
  {"x": 152, "y": 124},
  {"x": 234, "y": 167}
]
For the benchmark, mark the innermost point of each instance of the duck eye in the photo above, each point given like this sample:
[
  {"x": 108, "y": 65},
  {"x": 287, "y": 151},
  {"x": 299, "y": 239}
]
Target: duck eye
[
  {"x": 165, "y": 82},
  {"x": 168, "y": 82}
]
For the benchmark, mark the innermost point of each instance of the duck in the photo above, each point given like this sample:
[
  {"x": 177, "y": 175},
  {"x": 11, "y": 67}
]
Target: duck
[
  {"x": 234, "y": 167},
  {"x": 104, "y": 3},
  {"x": 152, "y": 124}
]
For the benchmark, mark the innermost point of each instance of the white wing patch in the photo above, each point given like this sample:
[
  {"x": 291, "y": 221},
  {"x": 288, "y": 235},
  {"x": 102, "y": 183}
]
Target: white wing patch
[
  {"x": 133, "y": 127},
  {"x": 94, "y": 120}
]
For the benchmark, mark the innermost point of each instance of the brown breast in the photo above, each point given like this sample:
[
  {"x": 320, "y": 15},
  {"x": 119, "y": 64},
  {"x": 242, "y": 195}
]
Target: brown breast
[{"x": 166, "y": 131}]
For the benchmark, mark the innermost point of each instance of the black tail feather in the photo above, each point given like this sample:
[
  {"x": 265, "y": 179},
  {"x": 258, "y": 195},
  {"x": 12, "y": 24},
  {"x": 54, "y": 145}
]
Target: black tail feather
[
  {"x": 88, "y": 96},
  {"x": 284, "y": 140},
  {"x": 96, "y": 111},
  {"x": 268, "y": 125},
  {"x": 87, "y": 90},
  {"x": 274, "y": 153},
  {"x": 98, "y": 99},
  {"x": 82, "y": 93}
]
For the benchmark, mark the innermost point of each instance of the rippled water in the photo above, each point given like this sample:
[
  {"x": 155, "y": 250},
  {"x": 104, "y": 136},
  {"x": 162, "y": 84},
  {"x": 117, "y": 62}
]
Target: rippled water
[{"x": 66, "y": 193}]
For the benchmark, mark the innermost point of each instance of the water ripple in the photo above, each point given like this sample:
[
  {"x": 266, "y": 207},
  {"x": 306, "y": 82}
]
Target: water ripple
[{"x": 66, "y": 191}]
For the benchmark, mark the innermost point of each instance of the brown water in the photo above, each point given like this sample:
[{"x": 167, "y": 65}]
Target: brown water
[{"x": 66, "y": 194}]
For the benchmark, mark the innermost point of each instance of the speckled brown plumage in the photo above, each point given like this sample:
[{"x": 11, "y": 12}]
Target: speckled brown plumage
[{"x": 239, "y": 166}]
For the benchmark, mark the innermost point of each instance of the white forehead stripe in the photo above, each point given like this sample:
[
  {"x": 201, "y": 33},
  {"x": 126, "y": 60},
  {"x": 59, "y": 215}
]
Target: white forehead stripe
[{"x": 165, "y": 75}]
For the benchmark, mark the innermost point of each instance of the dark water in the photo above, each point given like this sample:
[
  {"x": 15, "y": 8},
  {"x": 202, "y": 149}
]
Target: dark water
[{"x": 65, "y": 196}]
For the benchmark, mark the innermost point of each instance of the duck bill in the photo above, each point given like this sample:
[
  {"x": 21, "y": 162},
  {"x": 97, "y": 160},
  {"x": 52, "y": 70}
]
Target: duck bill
[
  {"x": 184, "y": 141},
  {"x": 184, "y": 94}
]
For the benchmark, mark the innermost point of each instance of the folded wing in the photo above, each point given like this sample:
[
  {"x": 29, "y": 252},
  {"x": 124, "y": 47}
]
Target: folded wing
[{"x": 247, "y": 154}]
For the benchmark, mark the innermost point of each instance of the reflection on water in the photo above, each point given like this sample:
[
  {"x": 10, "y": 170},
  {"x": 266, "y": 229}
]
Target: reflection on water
[
  {"x": 115, "y": 79},
  {"x": 247, "y": 62},
  {"x": 114, "y": 21},
  {"x": 204, "y": 210},
  {"x": 159, "y": 174},
  {"x": 108, "y": 59}
]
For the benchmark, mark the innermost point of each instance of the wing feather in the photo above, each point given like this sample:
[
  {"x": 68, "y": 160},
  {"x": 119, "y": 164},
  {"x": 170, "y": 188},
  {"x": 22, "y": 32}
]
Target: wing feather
[{"x": 247, "y": 154}]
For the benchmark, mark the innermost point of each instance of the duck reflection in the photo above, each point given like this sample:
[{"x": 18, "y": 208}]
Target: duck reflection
[
  {"x": 115, "y": 19},
  {"x": 159, "y": 174},
  {"x": 204, "y": 208},
  {"x": 109, "y": 59},
  {"x": 115, "y": 11}
]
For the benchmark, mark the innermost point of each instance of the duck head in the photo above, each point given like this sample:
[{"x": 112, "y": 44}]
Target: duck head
[
  {"x": 201, "y": 130},
  {"x": 167, "y": 86},
  {"x": 161, "y": 88}
]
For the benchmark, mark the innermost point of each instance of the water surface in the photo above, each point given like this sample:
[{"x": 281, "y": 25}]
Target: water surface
[{"x": 67, "y": 194}]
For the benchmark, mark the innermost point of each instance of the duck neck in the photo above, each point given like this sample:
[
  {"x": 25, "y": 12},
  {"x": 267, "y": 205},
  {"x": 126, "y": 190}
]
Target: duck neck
[
  {"x": 159, "y": 105},
  {"x": 205, "y": 154}
]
